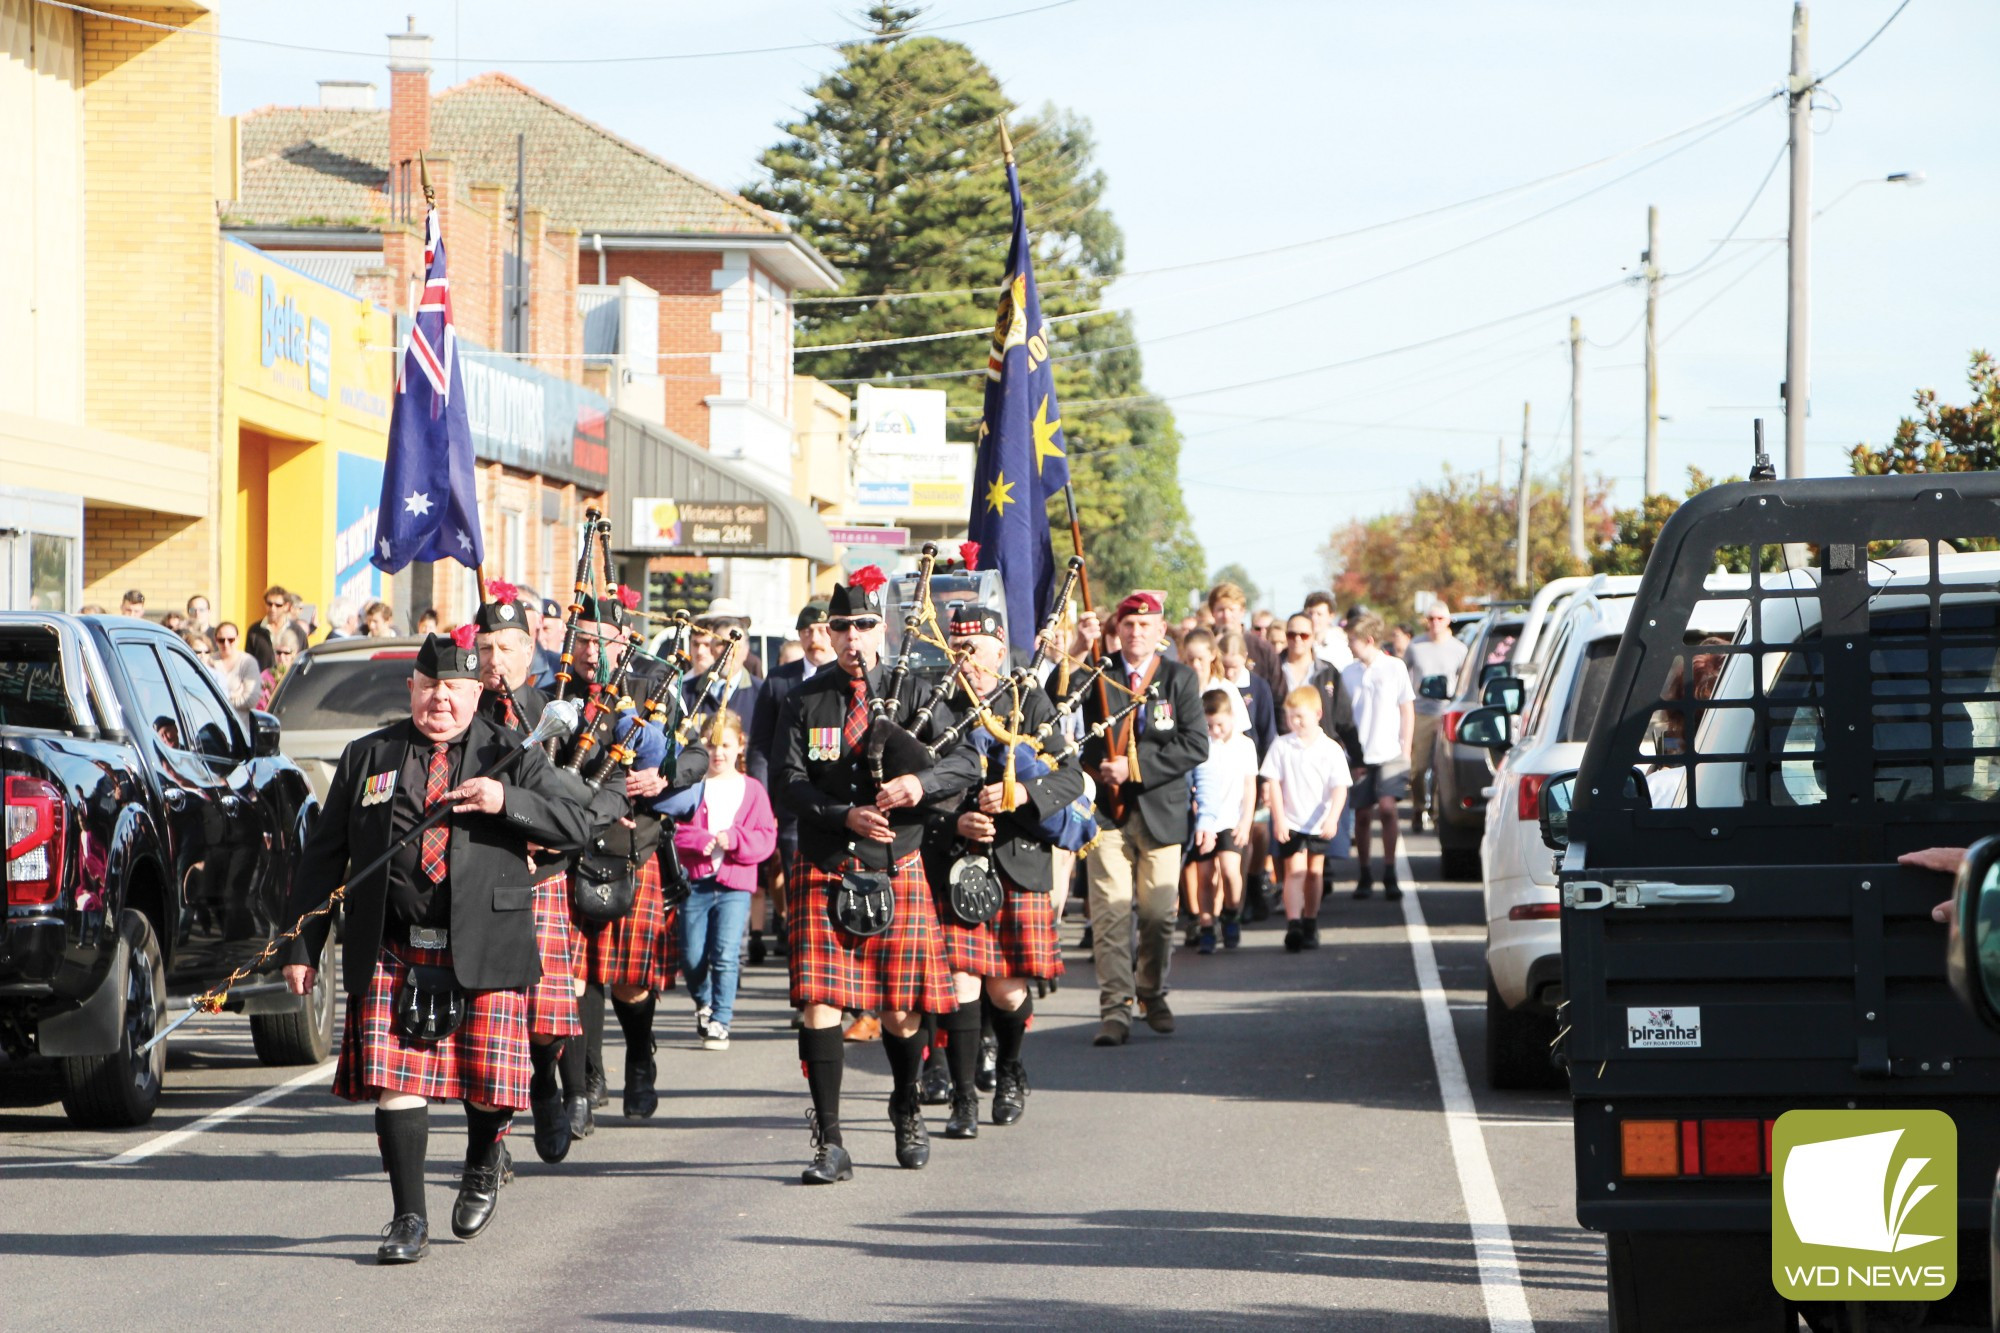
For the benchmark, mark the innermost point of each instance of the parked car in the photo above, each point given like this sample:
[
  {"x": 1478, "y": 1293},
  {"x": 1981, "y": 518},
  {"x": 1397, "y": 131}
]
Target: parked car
[
  {"x": 150, "y": 845},
  {"x": 336, "y": 692},
  {"x": 1461, "y": 773}
]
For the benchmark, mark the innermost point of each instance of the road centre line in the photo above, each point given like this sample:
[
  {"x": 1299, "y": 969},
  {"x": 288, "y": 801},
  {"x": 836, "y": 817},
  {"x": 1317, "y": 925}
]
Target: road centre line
[
  {"x": 1492, "y": 1240},
  {"x": 173, "y": 1138}
]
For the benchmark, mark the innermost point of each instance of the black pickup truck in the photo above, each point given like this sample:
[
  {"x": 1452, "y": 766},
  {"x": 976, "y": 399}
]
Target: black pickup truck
[{"x": 150, "y": 839}]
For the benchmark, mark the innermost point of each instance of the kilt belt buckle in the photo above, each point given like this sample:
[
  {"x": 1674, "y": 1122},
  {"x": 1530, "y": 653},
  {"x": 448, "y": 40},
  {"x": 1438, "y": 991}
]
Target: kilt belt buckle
[{"x": 429, "y": 937}]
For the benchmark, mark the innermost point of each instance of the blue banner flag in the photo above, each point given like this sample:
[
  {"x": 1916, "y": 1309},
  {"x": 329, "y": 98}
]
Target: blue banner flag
[
  {"x": 430, "y": 509},
  {"x": 1023, "y": 457}
]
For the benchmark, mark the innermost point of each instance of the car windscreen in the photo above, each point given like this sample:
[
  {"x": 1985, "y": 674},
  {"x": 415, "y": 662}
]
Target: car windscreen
[
  {"x": 31, "y": 680},
  {"x": 1587, "y": 699},
  {"x": 345, "y": 692}
]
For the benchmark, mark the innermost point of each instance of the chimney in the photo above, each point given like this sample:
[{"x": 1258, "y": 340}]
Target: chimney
[
  {"x": 409, "y": 94},
  {"x": 346, "y": 95}
]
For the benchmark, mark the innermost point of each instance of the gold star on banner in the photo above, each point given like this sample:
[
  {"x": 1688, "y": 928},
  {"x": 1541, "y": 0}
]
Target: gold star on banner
[
  {"x": 1000, "y": 494},
  {"x": 1045, "y": 436}
]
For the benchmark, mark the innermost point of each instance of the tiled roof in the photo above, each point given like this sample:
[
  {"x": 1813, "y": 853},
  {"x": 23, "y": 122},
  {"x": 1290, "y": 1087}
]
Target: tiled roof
[{"x": 308, "y": 166}]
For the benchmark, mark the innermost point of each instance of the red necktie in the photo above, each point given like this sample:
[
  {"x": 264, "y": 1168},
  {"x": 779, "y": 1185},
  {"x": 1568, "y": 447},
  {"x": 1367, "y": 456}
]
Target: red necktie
[
  {"x": 508, "y": 717},
  {"x": 855, "y": 729},
  {"x": 437, "y": 839}
]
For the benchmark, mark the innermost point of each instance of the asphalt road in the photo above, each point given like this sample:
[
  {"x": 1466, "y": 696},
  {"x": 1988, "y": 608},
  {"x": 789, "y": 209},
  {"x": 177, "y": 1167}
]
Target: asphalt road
[{"x": 1284, "y": 1161}]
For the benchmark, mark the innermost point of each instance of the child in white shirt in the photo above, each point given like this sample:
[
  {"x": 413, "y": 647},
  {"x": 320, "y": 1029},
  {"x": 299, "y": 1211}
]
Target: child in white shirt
[
  {"x": 1308, "y": 780},
  {"x": 1225, "y": 804}
]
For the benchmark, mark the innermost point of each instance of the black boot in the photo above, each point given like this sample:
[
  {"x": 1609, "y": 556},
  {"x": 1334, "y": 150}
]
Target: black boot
[
  {"x": 641, "y": 1098},
  {"x": 989, "y": 1059},
  {"x": 488, "y": 1166},
  {"x": 830, "y": 1162},
  {"x": 403, "y": 1137},
  {"x": 913, "y": 1138},
  {"x": 1010, "y": 1096},
  {"x": 590, "y": 1012},
  {"x": 573, "y": 1065},
  {"x": 545, "y": 1102},
  {"x": 964, "y": 1120}
]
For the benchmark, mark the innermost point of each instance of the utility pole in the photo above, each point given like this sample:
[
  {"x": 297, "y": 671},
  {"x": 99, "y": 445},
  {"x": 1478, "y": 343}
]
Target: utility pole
[
  {"x": 1798, "y": 253},
  {"x": 1500, "y": 465},
  {"x": 1576, "y": 498},
  {"x": 1522, "y": 501},
  {"x": 1652, "y": 351}
]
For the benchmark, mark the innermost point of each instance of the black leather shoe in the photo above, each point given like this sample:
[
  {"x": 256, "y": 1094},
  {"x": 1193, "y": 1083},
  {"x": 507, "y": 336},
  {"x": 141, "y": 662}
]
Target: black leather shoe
[
  {"x": 595, "y": 1087},
  {"x": 964, "y": 1120},
  {"x": 581, "y": 1122},
  {"x": 1010, "y": 1095},
  {"x": 641, "y": 1099},
  {"x": 935, "y": 1088},
  {"x": 404, "y": 1240},
  {"x": 552, "y": 1133},
  {"x": 830, "y": 1163},
  {"x": 989, "y": 1056},
  {"x": 913, "y": 1138},
  {"x": 478, "y": 1196}
]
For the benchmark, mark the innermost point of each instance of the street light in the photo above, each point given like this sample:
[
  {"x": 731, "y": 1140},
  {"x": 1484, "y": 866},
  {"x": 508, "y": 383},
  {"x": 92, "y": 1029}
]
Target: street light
[{"x": 1912, "y": 179}]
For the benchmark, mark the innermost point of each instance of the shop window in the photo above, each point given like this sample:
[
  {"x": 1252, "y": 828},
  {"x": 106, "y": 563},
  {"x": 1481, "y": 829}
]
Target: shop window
[{"x": 49, "y": 562}]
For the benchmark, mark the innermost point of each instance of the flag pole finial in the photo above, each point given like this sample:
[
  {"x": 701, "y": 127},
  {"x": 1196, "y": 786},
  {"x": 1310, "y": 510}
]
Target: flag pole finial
[
  {"x": 424, "y": 173},
  {"x": 1006, "y": 142}
]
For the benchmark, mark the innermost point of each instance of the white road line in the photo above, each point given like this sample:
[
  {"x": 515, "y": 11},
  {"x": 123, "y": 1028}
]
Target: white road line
[
  {"x": 1492, "y": 1240},
  {"x": 175, "y": 1137}
]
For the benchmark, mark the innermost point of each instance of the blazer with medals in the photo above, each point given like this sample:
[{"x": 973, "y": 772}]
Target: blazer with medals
[
  {"x": 492, "y": 889},
  {"x": 1170, "y": 734},
  {"x": 823, "y": 778},
  {"x": 1019, "y": 848}
]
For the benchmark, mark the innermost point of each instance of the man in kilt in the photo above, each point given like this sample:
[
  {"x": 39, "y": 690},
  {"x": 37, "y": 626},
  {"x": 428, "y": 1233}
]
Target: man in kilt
[
  {"x": 451, "y": 920},
  {"x": 1019, "y": 942},
  {"x": 853, "y": 831}
]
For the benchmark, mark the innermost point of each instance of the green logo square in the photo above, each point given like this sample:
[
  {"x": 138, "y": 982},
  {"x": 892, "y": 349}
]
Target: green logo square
[{"x": 1864, "y": 1205}]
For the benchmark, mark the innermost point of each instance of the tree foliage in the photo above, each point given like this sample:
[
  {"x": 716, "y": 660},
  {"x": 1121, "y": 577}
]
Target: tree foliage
[
  {"x": 1636, "y": 530},
  {"x": 894, "y": 171},
  {"x": 1236, "y": 574},
  {"x": 1456, "y": 539},
  {"x": 1940, "y": 437}
]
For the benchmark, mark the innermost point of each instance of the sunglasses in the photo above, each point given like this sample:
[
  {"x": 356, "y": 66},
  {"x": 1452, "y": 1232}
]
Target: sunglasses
[
  {"x": 226, "y": 642},
  {"x": 1298, "y": 634},
  {"x": 849, "y": 624},
  {"x": 277, "y": 606}
]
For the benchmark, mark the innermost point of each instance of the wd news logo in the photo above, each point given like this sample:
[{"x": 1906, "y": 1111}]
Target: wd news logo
[{"x": 1864, "y": 1205}]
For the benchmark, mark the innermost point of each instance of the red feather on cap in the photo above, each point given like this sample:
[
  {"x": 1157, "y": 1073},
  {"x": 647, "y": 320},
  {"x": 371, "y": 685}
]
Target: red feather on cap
[
  {"x": 969, "y": 552},
  {"x": 628, "y": 597},
  {"x": 867, "y": 578},
  {"x": 499, "y": 591},
  {"x": 464, "y": 634}
]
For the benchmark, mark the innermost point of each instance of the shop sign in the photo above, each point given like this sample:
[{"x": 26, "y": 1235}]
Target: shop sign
[
  {"x": 357, "y": 498},
  {"x": 528, "y": 419},
  {"x": 896, "y": 537},
  {"x": 286, "y": 334},
  {"x": 661, "y": 523},
  {"x": 902, "y": 460}
]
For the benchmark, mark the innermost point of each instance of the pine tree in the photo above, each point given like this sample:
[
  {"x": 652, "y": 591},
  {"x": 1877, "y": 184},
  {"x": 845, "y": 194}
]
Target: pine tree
[{"x": 895, "y": 174}]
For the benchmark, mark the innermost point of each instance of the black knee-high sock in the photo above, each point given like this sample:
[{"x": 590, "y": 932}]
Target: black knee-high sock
[
  {"x": 484, "y": 1131},
  {"x": 590, "y": 1010},
  {"x": 1010, "y": 1026},
  {"x": 961, "y": 1034},
  {"x": 404, "y": 1137},
  {"x": 636, "y": 1017},
  {"x": 543, "y": 1056},
  {"x": 570, "y": 1065},
  {"x": 933, "y": 1048},
  {"x": 985, "y": 1015},
  {"x": 824, "y": 1054},
  {"x": 906, "y": 1058}
]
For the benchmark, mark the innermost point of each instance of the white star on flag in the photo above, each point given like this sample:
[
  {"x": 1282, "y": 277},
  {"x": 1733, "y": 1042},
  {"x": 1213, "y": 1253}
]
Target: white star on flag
[
  {"x": 383, "y": 547},
  {"x": 464, "y": 542},
  {"x": 418, "y": 503}
]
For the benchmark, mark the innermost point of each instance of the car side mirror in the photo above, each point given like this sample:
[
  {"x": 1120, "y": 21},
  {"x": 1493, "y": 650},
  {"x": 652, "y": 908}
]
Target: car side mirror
[
  {"x": 1435, "y": 687},
  {"x": 1508, "y": 692},
  {"x": 1973, "y": 955},
  {"x": 1491, "y": 727},
  {"x": 1557, "y": 793},
  {"x": 264, "y": 732},
  {"x": 1492, "y": 671}
]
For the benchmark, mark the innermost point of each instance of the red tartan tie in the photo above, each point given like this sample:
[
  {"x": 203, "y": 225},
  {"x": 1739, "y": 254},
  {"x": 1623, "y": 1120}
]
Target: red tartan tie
[
  {"x": 508, "y": 717},
  {"x": 437, "y": 839},
  {"x": 855, "y": 729}
]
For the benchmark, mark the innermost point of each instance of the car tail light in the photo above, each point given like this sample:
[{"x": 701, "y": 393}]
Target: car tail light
[
  {"x": 1528, "y": 796},
  {"x": 35, "y": 814},
  {"x": 1534, "y": 911},
  {"x": 1448, "y": 722},
  {"x": 1684, "y": 1148},
  {"x": 398, "y": 653}
]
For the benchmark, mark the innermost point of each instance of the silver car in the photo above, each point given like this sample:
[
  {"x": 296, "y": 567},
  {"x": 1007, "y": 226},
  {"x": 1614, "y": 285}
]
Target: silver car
[{"x": 336, "y": 692}]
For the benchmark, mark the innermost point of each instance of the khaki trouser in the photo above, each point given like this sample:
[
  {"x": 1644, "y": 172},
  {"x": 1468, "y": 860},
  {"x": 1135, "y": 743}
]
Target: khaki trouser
[
  {"x": 1420, "y": 763},
  {"x": 1124, "y": 860}
]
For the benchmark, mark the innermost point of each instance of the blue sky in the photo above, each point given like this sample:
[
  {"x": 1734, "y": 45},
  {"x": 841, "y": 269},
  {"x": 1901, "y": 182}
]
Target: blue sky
[{"x": 1277, "y": 122}]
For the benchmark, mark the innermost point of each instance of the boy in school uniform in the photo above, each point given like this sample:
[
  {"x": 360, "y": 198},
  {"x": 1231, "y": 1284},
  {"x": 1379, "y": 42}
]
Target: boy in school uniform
[
  {"x": 1225, "y": 805},
  {"x": 1308, "y": 780}
]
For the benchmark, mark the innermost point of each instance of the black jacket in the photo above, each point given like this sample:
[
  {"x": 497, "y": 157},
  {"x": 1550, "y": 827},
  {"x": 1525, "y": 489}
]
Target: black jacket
[
  {"x": 764, "y": 744},
  {"x": 1167, "y": 754},
  {"x": 1019, "y": 847},
  {"x": 492, "y": 889},
  {"x": 821, "y": 784}
]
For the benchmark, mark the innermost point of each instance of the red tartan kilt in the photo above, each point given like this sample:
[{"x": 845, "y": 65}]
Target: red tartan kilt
[
  {"x": 552, "y": 1000},
  {"x": 903, "y": 968},
  {"x": 1020, "y": 941},
  {"x": 637, "y": 949},
  {"x": 485, "y": 1061}
]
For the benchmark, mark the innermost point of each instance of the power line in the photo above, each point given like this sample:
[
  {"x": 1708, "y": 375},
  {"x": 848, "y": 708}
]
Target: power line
[
  {"x": 1737, "y": 225},
  {"x": 1893, "y": 15}
]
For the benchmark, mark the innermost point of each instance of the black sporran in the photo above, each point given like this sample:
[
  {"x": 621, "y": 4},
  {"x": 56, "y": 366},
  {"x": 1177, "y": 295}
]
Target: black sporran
[
  {"x": 429, "y": 1005},
  {"x": 976, "y": 893},
  {"x": 863, "y": 903}
]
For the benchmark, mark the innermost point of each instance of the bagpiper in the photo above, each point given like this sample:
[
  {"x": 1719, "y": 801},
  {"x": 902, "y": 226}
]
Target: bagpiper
[
  {"x": 1012, "y": 851},
  {"x": 440, "y": 949},
  {"x": 864, "y": 930}
]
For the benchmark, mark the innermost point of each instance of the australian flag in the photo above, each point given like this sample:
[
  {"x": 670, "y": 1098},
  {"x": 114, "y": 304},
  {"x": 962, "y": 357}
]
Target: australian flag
[
  {"x": 1022, "y": 457},
  {"x": 429, "y": 510}
]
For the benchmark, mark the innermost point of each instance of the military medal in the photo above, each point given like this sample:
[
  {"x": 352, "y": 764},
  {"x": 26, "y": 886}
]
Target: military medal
[
  {"x": 378, "y": 788},
  {"x": 823, "y": 742},
  {"x": 1163, "y": 715}
]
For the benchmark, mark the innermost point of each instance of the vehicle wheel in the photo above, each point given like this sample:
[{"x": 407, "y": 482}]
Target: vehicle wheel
[
  {"x": 1458, "y": 863},
  {"x": 1518, "y": 1046},
  {"x": 304, "y": 1035},
  {"x": 1646, "y": 1279},
  {"x": 120, "y": 1090}
]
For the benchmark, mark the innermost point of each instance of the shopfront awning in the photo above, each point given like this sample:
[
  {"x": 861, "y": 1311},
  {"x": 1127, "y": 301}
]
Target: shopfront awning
[{"x": 670, "y": 496}]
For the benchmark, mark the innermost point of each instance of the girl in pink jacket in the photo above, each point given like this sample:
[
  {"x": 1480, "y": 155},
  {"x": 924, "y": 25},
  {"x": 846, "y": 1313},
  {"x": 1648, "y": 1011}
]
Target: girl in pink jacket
[{"x": 732, "y": 832}]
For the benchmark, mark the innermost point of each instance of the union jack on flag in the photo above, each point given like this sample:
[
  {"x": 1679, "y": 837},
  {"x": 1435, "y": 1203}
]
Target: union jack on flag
[{"x": 430, "y": 507}]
